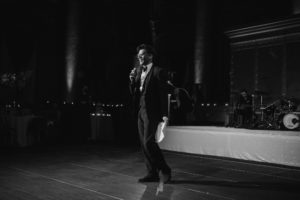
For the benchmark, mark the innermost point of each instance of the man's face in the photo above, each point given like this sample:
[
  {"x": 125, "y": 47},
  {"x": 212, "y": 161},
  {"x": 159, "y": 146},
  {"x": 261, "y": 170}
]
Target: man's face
[{"x": 143, "y": 57}]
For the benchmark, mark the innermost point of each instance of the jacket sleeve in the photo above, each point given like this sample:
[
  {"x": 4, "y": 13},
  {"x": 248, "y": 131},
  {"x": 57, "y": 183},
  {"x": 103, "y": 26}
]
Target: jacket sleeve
[
  {"x": 163, "y": 91},
  {"x": 134, "y": 92},
  {"x": 134, "y": 84},
  {"x": 132, "y": 87}
]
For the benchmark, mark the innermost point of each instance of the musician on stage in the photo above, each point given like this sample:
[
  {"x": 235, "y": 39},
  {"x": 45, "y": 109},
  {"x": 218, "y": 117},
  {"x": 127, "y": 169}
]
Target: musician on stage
[{"x": 244, "y": 109}]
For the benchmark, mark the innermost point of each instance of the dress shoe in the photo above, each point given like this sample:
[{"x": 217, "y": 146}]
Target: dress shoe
[{"x": 149, "y": 178}]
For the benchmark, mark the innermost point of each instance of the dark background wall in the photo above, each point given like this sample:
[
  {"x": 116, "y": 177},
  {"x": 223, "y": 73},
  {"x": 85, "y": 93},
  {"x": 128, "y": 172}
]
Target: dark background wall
[{"x": 33, "y": 38}]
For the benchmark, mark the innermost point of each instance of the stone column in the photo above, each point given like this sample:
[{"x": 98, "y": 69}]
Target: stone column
[
  {"x": 200, "y": 54},
  {"x": 296, "y": 7},
  {"x": 72, "y": 42}
]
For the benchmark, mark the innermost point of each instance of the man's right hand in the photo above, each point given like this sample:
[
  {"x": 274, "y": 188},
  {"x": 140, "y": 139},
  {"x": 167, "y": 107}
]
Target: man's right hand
[{"x": 132, "y": 74}]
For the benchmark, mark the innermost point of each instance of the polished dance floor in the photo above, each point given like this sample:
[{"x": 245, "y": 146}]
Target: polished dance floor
[{"x": 106, "y": 171}]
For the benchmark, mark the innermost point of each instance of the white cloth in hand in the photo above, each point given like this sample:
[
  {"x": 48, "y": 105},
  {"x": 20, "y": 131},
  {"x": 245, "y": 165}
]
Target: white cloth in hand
[{"x": 160, "y": 131}]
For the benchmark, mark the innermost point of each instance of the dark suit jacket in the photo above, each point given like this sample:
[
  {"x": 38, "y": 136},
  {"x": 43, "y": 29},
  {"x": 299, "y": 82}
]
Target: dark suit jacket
[{"x": 154, "y": 91}]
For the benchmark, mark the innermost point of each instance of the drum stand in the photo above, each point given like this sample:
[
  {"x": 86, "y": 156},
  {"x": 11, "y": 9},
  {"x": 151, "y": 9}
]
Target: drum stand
[
  {"x": 263, "y": 122},
  {"x": 261, "y": 108}
]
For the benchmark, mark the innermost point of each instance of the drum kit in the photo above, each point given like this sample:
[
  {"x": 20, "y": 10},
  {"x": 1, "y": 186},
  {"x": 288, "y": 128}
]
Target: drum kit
[
  {"x": 280, "y": 114},
  {"x": 284, "y": 113}
]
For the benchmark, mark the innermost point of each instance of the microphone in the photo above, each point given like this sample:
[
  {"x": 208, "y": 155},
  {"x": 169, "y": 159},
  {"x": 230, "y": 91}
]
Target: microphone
[{"x": 132, "y": 75}]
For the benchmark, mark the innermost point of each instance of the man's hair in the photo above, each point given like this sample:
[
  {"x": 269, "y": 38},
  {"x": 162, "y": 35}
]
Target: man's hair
[{"x": 148, "y": 48}]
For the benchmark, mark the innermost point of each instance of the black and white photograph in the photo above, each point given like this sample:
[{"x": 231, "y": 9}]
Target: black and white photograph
[{"x": 149, "y": 100}]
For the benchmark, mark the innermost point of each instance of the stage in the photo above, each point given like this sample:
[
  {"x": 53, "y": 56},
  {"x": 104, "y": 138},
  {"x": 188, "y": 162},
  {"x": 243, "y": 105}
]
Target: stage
[{"x": 268, "y": 146}]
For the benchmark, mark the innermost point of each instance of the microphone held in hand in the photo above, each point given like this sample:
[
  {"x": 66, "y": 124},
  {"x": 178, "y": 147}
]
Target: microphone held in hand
[{"x": 132, "y": 74}]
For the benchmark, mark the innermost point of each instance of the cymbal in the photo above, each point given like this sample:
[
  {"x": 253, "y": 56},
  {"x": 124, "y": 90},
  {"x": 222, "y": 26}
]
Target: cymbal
[
  {"x": 285, "y": 98},
  {"x": 293, "y": 99},
  {"x": 259, "y": 92}
]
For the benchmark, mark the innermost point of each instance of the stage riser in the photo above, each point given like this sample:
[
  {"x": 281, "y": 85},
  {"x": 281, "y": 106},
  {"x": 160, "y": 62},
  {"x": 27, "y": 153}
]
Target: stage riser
[{"x": 277, "y": 147}]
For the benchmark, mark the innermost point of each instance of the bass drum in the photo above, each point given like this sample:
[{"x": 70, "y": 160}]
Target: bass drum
[{"x": 291, "y": 121}]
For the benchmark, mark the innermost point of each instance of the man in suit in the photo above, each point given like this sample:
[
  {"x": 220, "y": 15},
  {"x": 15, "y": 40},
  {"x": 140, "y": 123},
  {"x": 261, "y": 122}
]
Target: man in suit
[{"x": 148, "y": 85}]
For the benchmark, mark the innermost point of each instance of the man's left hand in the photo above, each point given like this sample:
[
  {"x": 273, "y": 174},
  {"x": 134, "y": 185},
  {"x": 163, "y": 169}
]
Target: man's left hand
[{"x": 165, "y": 119}]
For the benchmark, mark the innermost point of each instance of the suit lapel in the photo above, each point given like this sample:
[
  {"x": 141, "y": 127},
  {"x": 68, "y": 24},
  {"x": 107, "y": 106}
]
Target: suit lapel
[
  {"x": 148, "y": 78},
  {"x": 138, "y": 76}
]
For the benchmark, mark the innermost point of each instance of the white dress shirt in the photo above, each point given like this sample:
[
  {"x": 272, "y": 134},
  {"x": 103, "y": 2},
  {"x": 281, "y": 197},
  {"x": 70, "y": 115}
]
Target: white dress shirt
[{"x": 144, "y": 75}]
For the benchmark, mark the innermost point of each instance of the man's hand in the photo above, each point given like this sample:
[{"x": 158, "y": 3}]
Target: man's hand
[
  {"x": 165, "y": 119},
  {"x": 132, "y": 74}
]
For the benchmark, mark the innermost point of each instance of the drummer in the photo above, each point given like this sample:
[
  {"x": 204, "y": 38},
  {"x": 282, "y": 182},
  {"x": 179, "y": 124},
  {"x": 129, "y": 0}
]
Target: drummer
[{"x": 244, "y": 109}]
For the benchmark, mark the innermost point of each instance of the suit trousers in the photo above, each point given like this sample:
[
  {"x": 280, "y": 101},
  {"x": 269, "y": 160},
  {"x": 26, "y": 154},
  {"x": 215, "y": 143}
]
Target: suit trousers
[{"x": 154, "y": 158}]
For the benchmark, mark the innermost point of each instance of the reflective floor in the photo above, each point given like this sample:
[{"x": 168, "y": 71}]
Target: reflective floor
[{"x": 102, "y": 171}]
